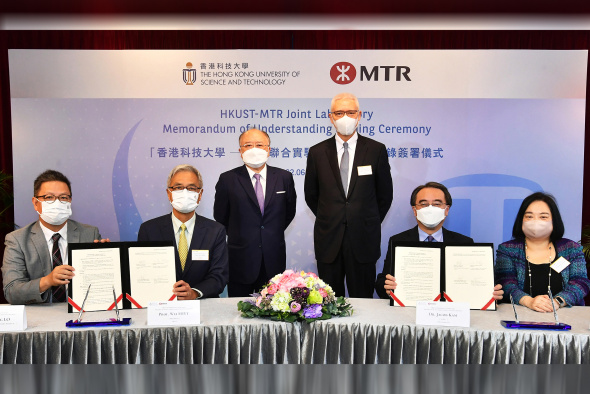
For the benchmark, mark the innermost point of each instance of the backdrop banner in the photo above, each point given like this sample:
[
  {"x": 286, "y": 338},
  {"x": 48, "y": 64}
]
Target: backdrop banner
[{"x": 492, "y": 125}]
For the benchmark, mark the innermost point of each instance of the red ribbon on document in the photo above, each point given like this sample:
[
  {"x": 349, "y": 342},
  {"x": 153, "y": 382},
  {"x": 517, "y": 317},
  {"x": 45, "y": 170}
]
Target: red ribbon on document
[
  {"x": 113, "y": 304},
  {"x": 486, "y": 306},
  {"x": 447, "y": 297},
  {"x": 437, "y": 298},
  {"x": 133, "y": 301},
  {"x": 395, "y": 298},
  {"x": 73, "y": 304}
]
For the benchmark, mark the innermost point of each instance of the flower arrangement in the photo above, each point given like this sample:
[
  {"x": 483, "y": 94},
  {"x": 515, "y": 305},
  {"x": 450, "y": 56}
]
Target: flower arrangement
[{"x": 296, "y": 296}]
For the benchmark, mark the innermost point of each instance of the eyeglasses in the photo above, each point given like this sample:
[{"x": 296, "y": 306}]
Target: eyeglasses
[
  {"x": 50, "y": 199},
  {"x": 179, "y": 188},
  {"x": 257, "y": 145},
  {"x": 350, "y": 114},
  {"x": 436, "y": 204}
]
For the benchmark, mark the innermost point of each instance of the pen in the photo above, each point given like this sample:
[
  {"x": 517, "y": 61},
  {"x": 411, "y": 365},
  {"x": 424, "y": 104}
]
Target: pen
[
  {"x": 116, "y": 306},
  {"x": 83, "y": 303},
  {"x": 553, "y": 305},
  {"x": 514, "y": 308}
]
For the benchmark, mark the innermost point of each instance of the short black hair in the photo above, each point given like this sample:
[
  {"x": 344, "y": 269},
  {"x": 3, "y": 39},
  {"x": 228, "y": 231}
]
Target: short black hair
[
  {"x": 433, "y": 185},
  {"x": 558, "y": 228},
  {"x": 50, "y": 176}
]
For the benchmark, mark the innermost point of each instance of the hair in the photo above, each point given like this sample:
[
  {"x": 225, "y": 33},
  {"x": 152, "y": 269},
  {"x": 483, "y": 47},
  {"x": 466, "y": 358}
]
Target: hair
[
  {"x": 433, "y": 185},
  {"x": 558, "y": 227},
  {"x": 50, "y": 176},
  {"x": 185, "y": 167},
  {"x": 344, "y": 96},
  {"x": 262, "y": 131}
]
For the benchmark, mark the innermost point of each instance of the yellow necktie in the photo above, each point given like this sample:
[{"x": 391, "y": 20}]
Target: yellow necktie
[{"x": 182, "y": 246}]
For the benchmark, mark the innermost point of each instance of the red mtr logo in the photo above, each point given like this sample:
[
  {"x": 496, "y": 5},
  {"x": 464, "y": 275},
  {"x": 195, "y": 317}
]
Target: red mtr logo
[{"x": 343, "y": 73}]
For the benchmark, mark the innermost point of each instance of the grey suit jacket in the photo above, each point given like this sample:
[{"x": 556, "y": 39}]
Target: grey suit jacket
[{"x": 27, "y": 260}]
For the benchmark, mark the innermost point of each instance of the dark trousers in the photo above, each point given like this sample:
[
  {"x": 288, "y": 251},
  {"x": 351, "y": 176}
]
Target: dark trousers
[
  {"x": 244, "y": 290},
  {"x": 360, "y": 278}
]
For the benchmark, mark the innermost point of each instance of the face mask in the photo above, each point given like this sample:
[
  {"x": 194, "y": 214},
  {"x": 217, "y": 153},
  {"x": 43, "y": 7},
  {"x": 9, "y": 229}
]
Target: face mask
[
  {"x": 346, "y": 125},
  {"x": 430, "y": 216},
  {"x": 55, "y": 213},
  {"x": 537, "y": 228},
  {"x": 255, "y": 157},
  {"x": 185, "y": 201}
]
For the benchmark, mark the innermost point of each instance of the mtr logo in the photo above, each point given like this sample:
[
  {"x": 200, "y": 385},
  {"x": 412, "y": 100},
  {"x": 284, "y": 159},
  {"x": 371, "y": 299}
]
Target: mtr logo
[{"x": 344, "y": 73}]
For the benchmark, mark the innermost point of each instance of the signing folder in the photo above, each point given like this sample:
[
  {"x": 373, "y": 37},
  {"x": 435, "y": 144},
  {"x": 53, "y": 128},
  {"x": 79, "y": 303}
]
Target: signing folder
[
  {"x": 140, "y": 272},
  {"x": 435, "y": 271}
]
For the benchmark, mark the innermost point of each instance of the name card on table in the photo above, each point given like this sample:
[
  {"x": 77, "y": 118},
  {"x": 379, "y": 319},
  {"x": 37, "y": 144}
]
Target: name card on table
[
  {"x": 434, "y": 313},
  {"x": 13, "y": 318},
  {"x": 174, "y": 313}
]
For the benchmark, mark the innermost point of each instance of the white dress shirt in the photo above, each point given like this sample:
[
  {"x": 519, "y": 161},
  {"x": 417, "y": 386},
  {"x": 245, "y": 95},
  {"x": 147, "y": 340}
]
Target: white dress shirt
[
  {"x": 351, "y": 149},
  {"x": 262, "y": 179},
  {"x": 188, "y": 233},
  {"x": 438, "y": 235},
  {"x": 62, "y": 242},
  {"x": 190, "y": 227}
]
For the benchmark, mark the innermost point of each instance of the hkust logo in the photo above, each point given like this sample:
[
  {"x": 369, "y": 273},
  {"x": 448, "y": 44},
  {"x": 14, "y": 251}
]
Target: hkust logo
[
  {"x": 189, "y": 74},
  {"x": 344, "y": 73}
]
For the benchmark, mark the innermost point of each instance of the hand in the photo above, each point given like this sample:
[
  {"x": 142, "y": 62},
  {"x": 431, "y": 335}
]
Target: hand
[
  {"x": 540, "y": 303},
  {"x": 498, "y": 292},
  {"x": 183, "y": 291},
  {"x": 102, "y": 240},
  {"x": 390, "y": 283},
  {"x": 61, "y": 275}
]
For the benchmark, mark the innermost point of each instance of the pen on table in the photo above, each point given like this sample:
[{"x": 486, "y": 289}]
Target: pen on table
[
  {"x": 553, "y": 305},
  {"x": 116, "y": 306},
  {"x": 514, "y": 308},
  {"x": 83, "y": 303}
]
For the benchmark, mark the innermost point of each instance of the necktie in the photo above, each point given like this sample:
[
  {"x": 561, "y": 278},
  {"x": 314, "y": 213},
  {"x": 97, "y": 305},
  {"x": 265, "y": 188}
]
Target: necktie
[
  {"x": 259, "y": 193},
  {"x": 344, "y": 168},
  {"x": 430, "y": 238},
  {"x": 59, "y": 292},
  {"x": 182, "y": 246}
]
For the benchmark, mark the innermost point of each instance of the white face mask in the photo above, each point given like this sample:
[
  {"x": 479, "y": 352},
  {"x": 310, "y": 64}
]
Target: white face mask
[
  {"x": 185, "y": 201},
  {"x": 255, "y": 157},
  {"x": 537, "y": 228},
  {"x": 55, "y": 213},
  {"x": 346, "y": 125},
  {"x": 430, "y": 216}
]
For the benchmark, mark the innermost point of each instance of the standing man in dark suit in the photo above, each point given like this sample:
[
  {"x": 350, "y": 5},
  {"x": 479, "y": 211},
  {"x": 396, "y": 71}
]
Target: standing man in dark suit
[
  {"x": 255, "y": 202},
  {"x": 200, "y": 249},
  {"x": 349, "y": 189},
  {"x": 430, "y": 203},
  {"x": 35, "y": 267}
]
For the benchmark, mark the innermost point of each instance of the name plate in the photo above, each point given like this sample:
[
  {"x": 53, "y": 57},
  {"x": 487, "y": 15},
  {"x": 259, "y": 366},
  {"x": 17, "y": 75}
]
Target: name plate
[
  {"x": 13, "y": 318},
  {"x": 452, "y": 314},
  {"x": 174, "y": 313}
]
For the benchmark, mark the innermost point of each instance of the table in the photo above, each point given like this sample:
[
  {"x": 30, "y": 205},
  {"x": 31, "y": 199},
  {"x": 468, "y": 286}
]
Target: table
[{"x": 376, "y": 333}]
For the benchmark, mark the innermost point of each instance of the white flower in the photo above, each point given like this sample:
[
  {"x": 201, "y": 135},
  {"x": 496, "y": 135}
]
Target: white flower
[{"x": 280, "y": 301}]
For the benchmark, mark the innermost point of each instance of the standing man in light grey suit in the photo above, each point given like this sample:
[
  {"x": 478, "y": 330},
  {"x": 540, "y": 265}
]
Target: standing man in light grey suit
[{"x": 35, "y": 267}]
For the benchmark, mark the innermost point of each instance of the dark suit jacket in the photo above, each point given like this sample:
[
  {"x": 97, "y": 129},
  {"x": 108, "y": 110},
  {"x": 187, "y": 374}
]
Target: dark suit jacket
[
  {"x": 361, "y": 212},
  {"x": 412, "y": 235},
  {"x": 209, "y": 277},
  {"x": 252, "y": 237}
]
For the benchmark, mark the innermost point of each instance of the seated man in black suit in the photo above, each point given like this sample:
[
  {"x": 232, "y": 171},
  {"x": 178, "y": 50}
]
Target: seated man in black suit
[
  {"x": 431, "y": 203},
  {"x": 200, "y": 249}
]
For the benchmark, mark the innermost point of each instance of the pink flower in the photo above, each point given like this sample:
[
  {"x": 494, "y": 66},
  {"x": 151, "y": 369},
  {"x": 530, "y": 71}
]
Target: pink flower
[
  {"x": 312, "y": 274},
  {"x": 258, "y": 301},
  {"x": 323, "y": 292},
  {"x": 289, "y": 280},
  {"x": 273, "y": 288}
]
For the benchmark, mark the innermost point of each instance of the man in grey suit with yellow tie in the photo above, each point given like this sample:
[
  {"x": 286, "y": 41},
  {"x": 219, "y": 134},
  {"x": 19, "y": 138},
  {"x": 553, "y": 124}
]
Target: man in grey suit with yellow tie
[{"x": 35, "y": 267}]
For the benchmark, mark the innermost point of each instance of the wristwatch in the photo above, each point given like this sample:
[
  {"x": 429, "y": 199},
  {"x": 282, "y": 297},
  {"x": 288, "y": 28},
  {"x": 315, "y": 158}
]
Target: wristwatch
[{"x": 561, "y": 302}]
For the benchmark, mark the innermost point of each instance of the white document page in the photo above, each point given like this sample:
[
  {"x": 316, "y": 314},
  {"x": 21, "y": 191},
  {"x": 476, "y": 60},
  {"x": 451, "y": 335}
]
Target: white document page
[
  {"x": 152, "y": 274},
  {"x": 417, "y": 272},
  {"x": 469, "y": 274},
  {"x": 100, "y": 268}
]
